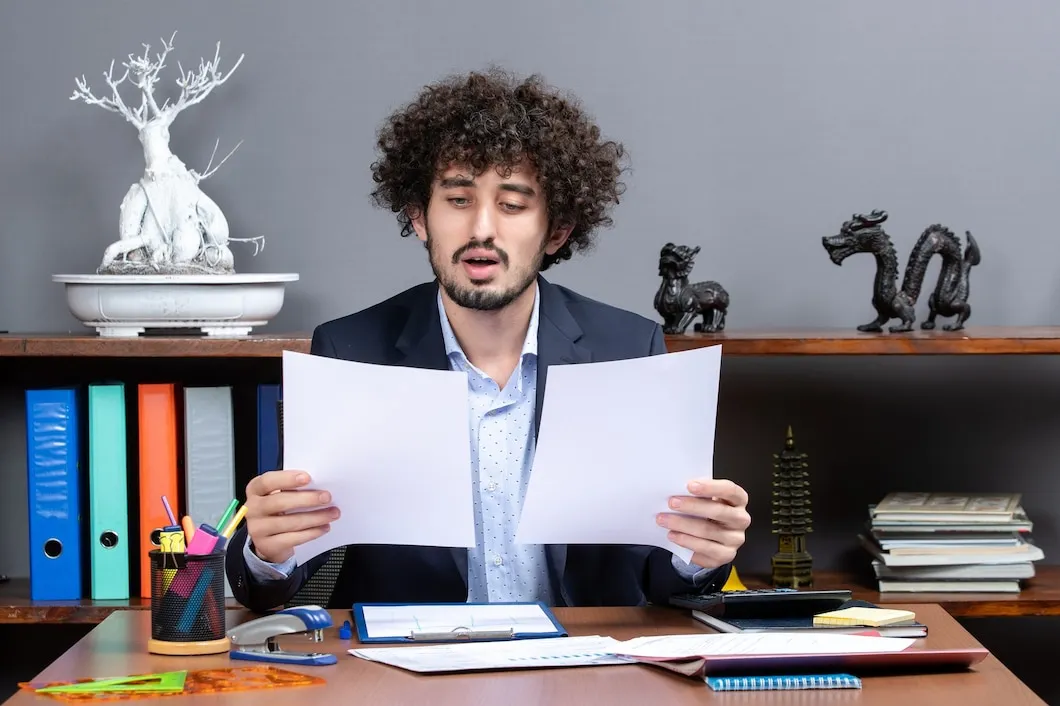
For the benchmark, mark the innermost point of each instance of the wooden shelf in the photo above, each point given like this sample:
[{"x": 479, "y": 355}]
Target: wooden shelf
[
  {"x": 154, "y": 346},
  {"x": 16, "y": 606},
  {"x": 985, "y": 340},
  {"x": 1040, "y": 596}
]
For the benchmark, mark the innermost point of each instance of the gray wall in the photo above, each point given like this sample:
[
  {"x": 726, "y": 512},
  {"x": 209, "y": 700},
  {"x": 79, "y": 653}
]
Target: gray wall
[{"x": 754, "y": 129}]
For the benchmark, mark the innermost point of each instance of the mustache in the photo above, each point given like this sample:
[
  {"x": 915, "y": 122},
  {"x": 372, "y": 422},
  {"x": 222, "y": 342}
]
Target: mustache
[{"x": 475, "y": 245}]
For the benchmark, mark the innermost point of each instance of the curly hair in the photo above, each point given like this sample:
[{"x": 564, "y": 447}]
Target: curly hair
[{"x": 491, "y": 119}]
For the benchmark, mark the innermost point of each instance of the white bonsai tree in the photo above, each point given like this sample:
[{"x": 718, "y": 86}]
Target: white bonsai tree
[{"x": 167, "y": 224}]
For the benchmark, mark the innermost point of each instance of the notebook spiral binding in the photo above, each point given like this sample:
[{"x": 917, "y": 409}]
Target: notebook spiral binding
[{"x": 780, "y": 683}]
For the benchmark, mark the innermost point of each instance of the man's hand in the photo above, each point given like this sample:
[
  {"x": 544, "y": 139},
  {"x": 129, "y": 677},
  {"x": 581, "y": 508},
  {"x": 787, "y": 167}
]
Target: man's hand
[
  {"x": 711, "y": 521},
  {"x": 278, "y": 518}
]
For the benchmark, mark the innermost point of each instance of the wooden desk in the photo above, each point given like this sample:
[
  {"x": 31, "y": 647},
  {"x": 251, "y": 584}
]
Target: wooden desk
[{"x": 117, "y": 646}]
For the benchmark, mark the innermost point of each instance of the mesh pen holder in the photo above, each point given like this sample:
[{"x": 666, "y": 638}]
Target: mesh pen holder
[{"x": 187, "y": 604}]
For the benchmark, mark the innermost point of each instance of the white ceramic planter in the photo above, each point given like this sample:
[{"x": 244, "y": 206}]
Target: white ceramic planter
[{"x": 217, "y": 305}]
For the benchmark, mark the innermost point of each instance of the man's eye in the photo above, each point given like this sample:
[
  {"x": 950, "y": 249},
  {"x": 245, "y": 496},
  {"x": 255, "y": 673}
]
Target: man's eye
[
  {"x": 457, "y": 201},
  {"x": 513, "y": 206}
]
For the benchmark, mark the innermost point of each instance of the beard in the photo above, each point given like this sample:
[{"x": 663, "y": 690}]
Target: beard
[{"x": 477, "y": 296}]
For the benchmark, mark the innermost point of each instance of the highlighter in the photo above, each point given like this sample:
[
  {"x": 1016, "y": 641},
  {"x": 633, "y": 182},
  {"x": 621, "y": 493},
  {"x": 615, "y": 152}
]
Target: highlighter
[{"x": 204, "y": 540}]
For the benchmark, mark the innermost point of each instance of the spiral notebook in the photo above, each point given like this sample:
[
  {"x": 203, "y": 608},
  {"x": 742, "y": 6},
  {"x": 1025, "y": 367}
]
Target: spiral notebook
[{"x": 780, "y": 683}]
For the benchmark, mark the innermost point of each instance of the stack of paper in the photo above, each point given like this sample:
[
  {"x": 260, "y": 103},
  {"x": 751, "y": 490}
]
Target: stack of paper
[{"x": 597, "y": 475}]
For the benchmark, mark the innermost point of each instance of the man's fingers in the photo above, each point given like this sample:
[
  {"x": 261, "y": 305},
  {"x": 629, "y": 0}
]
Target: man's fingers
[
  {"x": 270, "y": 482},
  {"x": 705, "y": 553},
  {"x": 276, "y": 525},
  {"x": 722, "y": 489},
  {"x": 704, "y": 529},
  {"x": 279, "y": 503},
  {"x": 722, "y": 513},
  {"x": 281, "y": 545}
]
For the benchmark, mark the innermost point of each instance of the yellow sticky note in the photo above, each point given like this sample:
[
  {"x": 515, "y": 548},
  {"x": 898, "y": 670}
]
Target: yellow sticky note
[{"x": 870, "y": 617}]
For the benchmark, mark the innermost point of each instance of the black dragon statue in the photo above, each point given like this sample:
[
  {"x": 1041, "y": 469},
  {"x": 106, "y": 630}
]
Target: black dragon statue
[
  {"x": 864, "y": 233},
  {"x": 679, "y": 302}
]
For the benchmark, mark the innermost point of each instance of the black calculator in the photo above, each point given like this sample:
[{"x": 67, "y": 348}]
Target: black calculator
[{"x": 764, "y": 602}]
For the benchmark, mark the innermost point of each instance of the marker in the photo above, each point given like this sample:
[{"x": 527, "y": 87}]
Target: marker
[
  {"x": 204, "y": 540},
  {"x": 227, "y": 513},
  {"x": 169, "y": 511}
]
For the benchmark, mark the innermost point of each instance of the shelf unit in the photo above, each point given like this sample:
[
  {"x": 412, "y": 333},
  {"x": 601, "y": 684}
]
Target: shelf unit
[{"x": 1041, "y": 595}]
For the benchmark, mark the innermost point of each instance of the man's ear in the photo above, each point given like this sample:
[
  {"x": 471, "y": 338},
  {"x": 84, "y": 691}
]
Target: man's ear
[
  {"x": 418, "y": 218},
  {"x": 558, "y": 237}
]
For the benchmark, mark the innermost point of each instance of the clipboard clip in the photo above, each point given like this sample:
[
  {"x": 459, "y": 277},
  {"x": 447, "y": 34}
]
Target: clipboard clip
[{"x": 461, "y": 634}]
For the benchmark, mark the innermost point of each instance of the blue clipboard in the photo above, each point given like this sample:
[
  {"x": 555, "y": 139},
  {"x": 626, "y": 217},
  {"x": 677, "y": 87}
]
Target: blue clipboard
[{"x": 458, "y": 633}]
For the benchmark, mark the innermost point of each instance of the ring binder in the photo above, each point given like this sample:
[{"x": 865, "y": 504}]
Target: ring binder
[{"x": 461, "y": 633}]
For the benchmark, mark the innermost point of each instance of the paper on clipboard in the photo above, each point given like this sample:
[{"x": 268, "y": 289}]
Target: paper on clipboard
[{"x": 443, "y": 622}]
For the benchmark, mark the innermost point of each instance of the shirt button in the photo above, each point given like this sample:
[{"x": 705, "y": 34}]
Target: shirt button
[
  {"x": 491, "y": 486},
  {"x": 497, "y": 560}
]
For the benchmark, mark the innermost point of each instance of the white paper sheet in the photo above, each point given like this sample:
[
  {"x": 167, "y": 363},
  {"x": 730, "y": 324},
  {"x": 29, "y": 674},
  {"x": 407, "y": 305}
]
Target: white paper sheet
[
  {"x": 697, "y": 645},
  {"x": 401, "y": 620},
  {"x": 617, "y": 440},
  {"x": 391, "y": 445},
  {"x": 518, "y": 654}
]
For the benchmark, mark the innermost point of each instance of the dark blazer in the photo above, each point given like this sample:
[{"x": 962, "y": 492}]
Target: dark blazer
[{"x": 406, "y": 330}]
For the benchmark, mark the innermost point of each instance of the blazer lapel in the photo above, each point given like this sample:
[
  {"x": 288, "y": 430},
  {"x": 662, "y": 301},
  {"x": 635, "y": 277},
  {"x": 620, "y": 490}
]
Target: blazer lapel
[
  {"x": 420, "y": 345},
  {"x": 558, "y": 338},
  {"x": 557, "y": 341}
]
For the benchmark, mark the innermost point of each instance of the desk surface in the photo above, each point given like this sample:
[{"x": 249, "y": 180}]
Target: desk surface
[{"x": 117, "y": 646}]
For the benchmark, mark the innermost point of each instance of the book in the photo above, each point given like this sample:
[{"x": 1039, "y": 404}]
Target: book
[
  {"x": 778, "y": 683},
  {"x": 804, "y": 624}
]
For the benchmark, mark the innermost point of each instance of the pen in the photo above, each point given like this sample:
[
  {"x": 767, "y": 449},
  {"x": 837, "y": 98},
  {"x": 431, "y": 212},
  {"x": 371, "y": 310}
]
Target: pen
[
  {"x": 169, "y": 510},
  {"x": 228, "y": 531}
]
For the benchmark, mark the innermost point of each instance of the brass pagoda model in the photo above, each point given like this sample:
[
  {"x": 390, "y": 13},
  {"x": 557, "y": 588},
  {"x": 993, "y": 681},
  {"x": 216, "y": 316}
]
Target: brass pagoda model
[{"x": 792, "y": 520}]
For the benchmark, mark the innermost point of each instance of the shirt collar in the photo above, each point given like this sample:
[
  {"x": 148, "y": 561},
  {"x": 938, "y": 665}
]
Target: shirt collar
[{"x": 452, "y": 346}]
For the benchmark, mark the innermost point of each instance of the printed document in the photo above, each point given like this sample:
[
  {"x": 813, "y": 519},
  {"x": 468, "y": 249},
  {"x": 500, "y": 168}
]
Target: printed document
[
  {"x": 391, "y": 445},
  {"x": 668, "y": 647},
  {"x": 517, "y": 654},
  {"x": 617, "y": 440}
]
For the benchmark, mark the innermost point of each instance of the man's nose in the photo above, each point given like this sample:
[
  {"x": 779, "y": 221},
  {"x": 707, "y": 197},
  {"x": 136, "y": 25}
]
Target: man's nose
[{"x": 485, "y": 226}]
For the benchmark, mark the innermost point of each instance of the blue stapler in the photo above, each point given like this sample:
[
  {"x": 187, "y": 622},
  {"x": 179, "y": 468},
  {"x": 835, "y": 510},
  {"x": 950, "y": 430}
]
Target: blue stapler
[{"x": 255, "y": 640}]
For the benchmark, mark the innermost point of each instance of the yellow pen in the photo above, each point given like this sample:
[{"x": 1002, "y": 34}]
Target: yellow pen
[{"x": 230, "y": 528}]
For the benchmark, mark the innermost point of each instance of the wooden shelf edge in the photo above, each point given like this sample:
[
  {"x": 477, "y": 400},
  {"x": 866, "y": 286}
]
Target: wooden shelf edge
[
  {"x": 983, "y": 340},
  {"x": 1040, "y": 597},
  {"x": 987, "y": 340},
  {"x": 16, "y": 607}
]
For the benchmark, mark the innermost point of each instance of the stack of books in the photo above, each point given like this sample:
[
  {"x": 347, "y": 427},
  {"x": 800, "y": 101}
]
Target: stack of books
[{"x": 950, "y": 542}]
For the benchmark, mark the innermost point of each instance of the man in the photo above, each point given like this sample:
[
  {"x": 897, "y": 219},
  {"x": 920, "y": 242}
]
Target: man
[{"x": 500, "y": 180}]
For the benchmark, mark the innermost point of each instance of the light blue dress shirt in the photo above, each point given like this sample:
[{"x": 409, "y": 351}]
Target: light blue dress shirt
[{"x": 501, "y": 421}]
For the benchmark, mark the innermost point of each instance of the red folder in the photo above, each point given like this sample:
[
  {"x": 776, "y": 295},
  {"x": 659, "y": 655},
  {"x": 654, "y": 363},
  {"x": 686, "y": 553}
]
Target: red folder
[{"x": 911, "y": 660}]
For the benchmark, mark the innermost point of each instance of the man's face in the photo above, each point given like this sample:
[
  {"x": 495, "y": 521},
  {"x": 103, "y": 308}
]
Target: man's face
[{"x": 487, "y": 235}]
